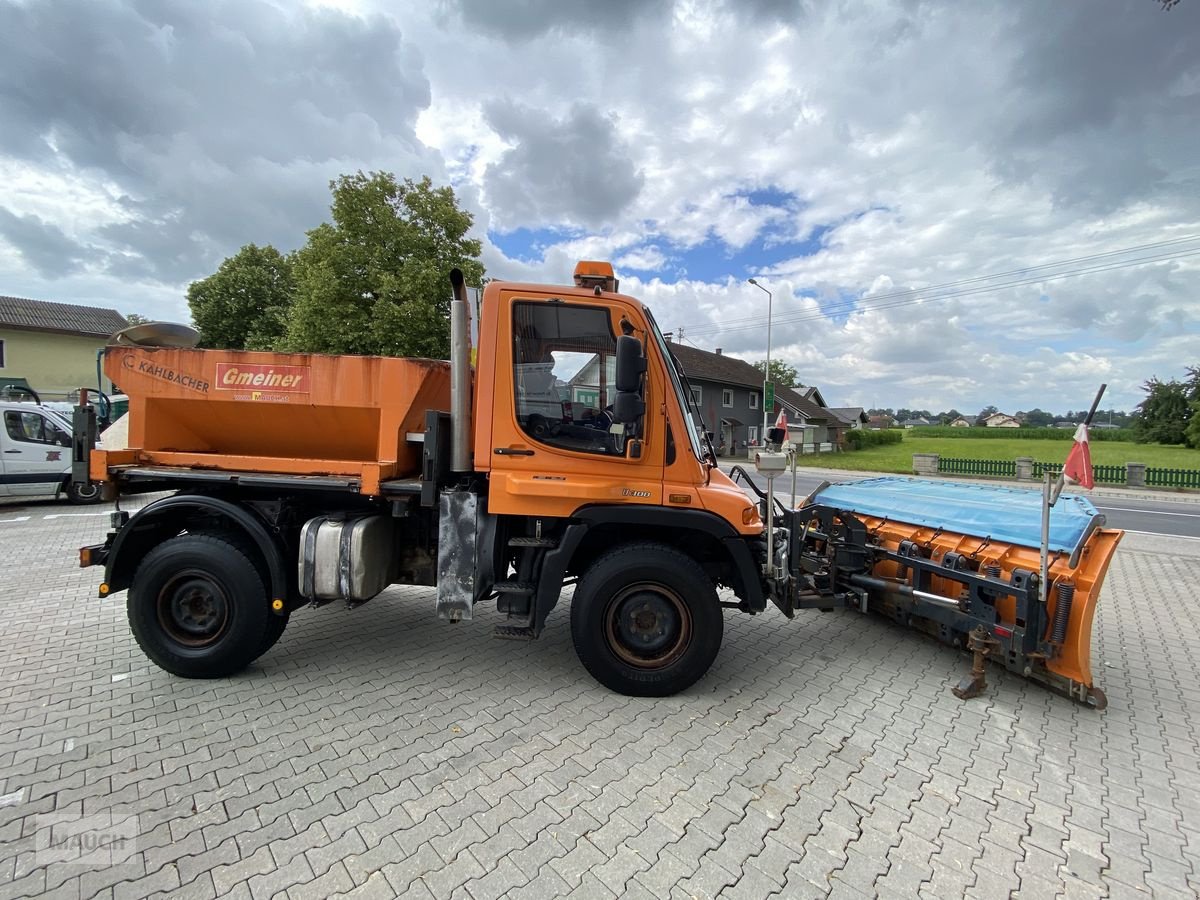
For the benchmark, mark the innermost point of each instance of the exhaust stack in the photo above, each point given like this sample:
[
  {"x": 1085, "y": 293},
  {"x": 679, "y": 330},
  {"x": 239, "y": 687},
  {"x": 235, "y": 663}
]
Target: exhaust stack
[{"x": 460, "y": 375}]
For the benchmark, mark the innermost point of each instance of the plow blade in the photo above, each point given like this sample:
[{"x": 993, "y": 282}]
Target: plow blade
[{"x": 962, "y": 562}]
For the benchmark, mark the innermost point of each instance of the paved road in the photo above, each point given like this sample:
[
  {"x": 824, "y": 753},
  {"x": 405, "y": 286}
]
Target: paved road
[
  {"x": 380, "y": 752},
  {"x": 1179, "y": 518}
]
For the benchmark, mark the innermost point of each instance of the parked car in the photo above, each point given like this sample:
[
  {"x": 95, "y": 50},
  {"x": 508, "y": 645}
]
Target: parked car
[{"x": 35, "y": 454}]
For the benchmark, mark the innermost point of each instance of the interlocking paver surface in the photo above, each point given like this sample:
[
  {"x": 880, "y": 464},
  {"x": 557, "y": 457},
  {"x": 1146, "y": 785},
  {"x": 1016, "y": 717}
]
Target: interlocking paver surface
[{"x": 381, "y": 752}]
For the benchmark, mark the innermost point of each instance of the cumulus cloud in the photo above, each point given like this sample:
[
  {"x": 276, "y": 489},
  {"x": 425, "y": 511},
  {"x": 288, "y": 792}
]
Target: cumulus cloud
[
  {"x": 902, "y": 147},
  {"x": 216, "y": 124},
  {"x": 573, "y": 170}
]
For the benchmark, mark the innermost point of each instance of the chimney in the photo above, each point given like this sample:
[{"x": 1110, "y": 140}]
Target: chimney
[{"x": 718, "y": 351}]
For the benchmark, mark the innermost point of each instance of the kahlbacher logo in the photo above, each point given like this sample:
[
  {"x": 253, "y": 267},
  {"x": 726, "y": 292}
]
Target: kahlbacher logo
[{"x": 239, "y": 376}]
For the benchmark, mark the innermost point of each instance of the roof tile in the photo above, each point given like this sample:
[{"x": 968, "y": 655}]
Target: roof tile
[{"x": 41, "y": 315}]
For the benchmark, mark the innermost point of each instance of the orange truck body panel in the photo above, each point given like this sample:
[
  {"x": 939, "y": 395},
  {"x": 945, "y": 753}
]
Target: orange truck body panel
[{"x": 272, "y": 412}]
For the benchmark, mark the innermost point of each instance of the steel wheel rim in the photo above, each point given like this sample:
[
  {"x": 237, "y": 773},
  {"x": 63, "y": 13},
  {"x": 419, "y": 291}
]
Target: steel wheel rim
[
  {"x": 86, "y": 491},
  {"x": 193, "y": 609},
  {"x": 648, "y": 625}
]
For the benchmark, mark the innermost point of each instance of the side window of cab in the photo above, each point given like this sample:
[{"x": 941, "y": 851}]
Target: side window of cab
[{"x": 564, "y": 368}]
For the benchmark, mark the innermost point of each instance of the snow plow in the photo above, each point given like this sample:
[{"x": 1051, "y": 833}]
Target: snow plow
[
  {"x": 960, "y": 562},
  {"x": 560, "y": 447}
]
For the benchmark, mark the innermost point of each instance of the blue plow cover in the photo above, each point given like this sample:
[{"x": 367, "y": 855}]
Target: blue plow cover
[{"x": 1011, "y": 515}]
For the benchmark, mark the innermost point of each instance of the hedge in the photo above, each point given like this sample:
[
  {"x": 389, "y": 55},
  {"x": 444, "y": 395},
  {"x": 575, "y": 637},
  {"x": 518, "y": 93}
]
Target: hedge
[
  {"x": 857, "y": 438},
  {"x": 1036, "y": 434}
]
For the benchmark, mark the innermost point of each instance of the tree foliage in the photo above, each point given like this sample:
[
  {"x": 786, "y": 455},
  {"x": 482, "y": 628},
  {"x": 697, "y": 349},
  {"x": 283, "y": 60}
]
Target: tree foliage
[
  {"x": 781, "y": 373},
  {"x": 1165, "y": 416},
  {"x": 376, "y": 279},
  {"x": 244, "y": 305}
]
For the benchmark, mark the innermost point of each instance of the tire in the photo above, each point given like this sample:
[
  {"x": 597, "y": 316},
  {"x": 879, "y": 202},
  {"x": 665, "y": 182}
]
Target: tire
[
  {"x": 275, "y": 625},
  {"x": 83, "y": 493},
  {"x": 198, "y": 607},
  {"x": 646, "y": 621}
]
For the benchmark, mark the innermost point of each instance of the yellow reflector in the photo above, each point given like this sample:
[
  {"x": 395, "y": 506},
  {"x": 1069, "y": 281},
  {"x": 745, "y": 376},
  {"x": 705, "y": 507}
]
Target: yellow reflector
[
  {"x": 277, "y": 604},
  {"x": 103, "y": 589},
  {"x": 85, "y": 557},
  {"x": 681, "y": 498}
]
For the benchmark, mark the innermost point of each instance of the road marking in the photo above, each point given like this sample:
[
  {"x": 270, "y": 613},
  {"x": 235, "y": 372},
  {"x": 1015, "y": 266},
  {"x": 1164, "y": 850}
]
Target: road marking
[
  {"x": 73, "y": 515},
  {"x": 1149, "y": 512},
  {"x": 1182, "y": 537},
  {"x": 17, "y": 519}
]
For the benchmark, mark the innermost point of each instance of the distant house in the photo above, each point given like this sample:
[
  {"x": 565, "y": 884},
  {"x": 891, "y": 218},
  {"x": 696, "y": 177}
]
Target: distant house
[
  {"x": 963, "y": 422},
  {"x": 879, "y": 423},
  {"x": 914, "y": 423},
  {"x": 52, "y": 346},
  {"x": 728, "y": 392},
  {"x": 811, "y": 428},
  {"x": 1002, "y": 420},
  {"x": 853, "y": 416}
]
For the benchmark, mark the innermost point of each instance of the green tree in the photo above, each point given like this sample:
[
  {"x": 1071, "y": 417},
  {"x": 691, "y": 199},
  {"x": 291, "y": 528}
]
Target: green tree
[
  {"x": 1164, "y": 416},
  {"x": 376, "y": 279},
  {"x": 137, "y": 319},
  {"x": 781, "y": 373},
  {"x": 244, "y": 305}
]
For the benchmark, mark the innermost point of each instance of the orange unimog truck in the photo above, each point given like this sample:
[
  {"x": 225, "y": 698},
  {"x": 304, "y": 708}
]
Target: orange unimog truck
[{"x": 562, "y": 449}]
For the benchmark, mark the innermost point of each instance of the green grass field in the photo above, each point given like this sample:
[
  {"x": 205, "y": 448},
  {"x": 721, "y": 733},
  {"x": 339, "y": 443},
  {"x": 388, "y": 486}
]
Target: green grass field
[{"x": 898, "y": 457}]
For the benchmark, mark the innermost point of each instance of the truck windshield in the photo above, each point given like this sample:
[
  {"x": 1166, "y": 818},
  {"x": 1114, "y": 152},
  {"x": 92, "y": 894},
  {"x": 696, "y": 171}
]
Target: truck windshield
[{"x": 684, "y": 397}]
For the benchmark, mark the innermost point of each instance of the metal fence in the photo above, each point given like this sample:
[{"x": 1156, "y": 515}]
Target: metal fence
[
  {"x": 1100, "y": 474},
  {"x": 1177, "y": 478},
  {"x": 999, "y": 468}
]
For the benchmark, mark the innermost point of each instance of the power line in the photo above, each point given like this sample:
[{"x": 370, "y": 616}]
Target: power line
[
  {"x": 1027, "y": 269},
  {"x": 938, "y": 292},
  {"x": 933, "y": 288}
]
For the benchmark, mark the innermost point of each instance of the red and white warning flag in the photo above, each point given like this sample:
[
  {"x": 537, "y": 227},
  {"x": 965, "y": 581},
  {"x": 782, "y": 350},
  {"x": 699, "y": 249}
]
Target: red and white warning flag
[
  {"x": 1078, "y": 467},
  {"x": 781, "y": 422}
]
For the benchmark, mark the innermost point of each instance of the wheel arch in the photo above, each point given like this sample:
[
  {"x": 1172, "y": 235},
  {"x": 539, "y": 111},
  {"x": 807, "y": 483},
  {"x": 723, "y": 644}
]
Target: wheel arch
[
  {"x": 723, "y": 553},
  {"x": 166, "y": 518}
]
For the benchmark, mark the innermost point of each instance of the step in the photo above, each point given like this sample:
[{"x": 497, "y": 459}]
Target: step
[
  {"x": 514, "y": 632},
  {"x": 532, "y": 542},
  {"x": 514, "y": 587}
]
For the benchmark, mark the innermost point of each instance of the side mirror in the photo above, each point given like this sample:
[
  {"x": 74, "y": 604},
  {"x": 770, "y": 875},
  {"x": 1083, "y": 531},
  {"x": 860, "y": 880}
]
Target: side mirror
[
  {"x": 628, "y": 408},
  {"x": 631, "y": 364}
]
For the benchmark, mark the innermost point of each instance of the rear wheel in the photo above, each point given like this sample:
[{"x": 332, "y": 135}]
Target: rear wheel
[
  {"x": 198, "y": 607},
  {"x": 276, "y": 622},
  {"x": 83, "y": 492},
  {"x": 646, "y": 621}
]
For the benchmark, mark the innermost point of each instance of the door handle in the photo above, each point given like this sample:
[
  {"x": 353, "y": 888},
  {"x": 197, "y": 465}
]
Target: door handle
[
  {"x": 512, "y": 451},
  {"x": 12, "y": 451}
]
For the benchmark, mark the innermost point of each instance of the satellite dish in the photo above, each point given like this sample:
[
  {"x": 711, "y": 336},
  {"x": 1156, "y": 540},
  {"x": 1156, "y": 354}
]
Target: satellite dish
[{"x": 156, "y": 334}]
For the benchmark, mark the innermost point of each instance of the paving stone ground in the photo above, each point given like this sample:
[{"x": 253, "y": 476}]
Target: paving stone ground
[{"x": 381, "y": 752}]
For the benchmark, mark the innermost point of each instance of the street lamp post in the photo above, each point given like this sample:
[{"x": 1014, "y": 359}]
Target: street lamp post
[{"x": 767, "y": 374}]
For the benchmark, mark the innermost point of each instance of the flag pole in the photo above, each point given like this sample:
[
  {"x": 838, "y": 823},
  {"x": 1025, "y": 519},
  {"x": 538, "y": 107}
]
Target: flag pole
[{"x": 1050, "y": 497}]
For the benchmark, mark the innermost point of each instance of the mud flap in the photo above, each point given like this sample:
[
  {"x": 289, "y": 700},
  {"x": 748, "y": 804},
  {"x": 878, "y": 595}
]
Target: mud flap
[{"x": 458, "y": 550}]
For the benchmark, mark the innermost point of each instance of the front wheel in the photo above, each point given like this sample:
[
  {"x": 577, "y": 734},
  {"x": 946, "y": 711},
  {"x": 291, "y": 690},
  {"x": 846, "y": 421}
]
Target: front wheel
[
  {"x": 198, "y": 607},
  {"x": 646, "y": 621}
]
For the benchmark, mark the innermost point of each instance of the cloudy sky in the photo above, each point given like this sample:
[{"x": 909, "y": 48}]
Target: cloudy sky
[{"x": 953, "y": 204}]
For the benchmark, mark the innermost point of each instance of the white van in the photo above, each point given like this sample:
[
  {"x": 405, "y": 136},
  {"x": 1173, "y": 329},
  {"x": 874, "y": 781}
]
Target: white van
[{"x": 35, "y": 454}]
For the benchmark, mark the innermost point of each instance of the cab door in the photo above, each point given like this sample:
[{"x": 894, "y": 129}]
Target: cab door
[
  {"x": 37, "y": 453},
  {"x": 555, "y": 445}
]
